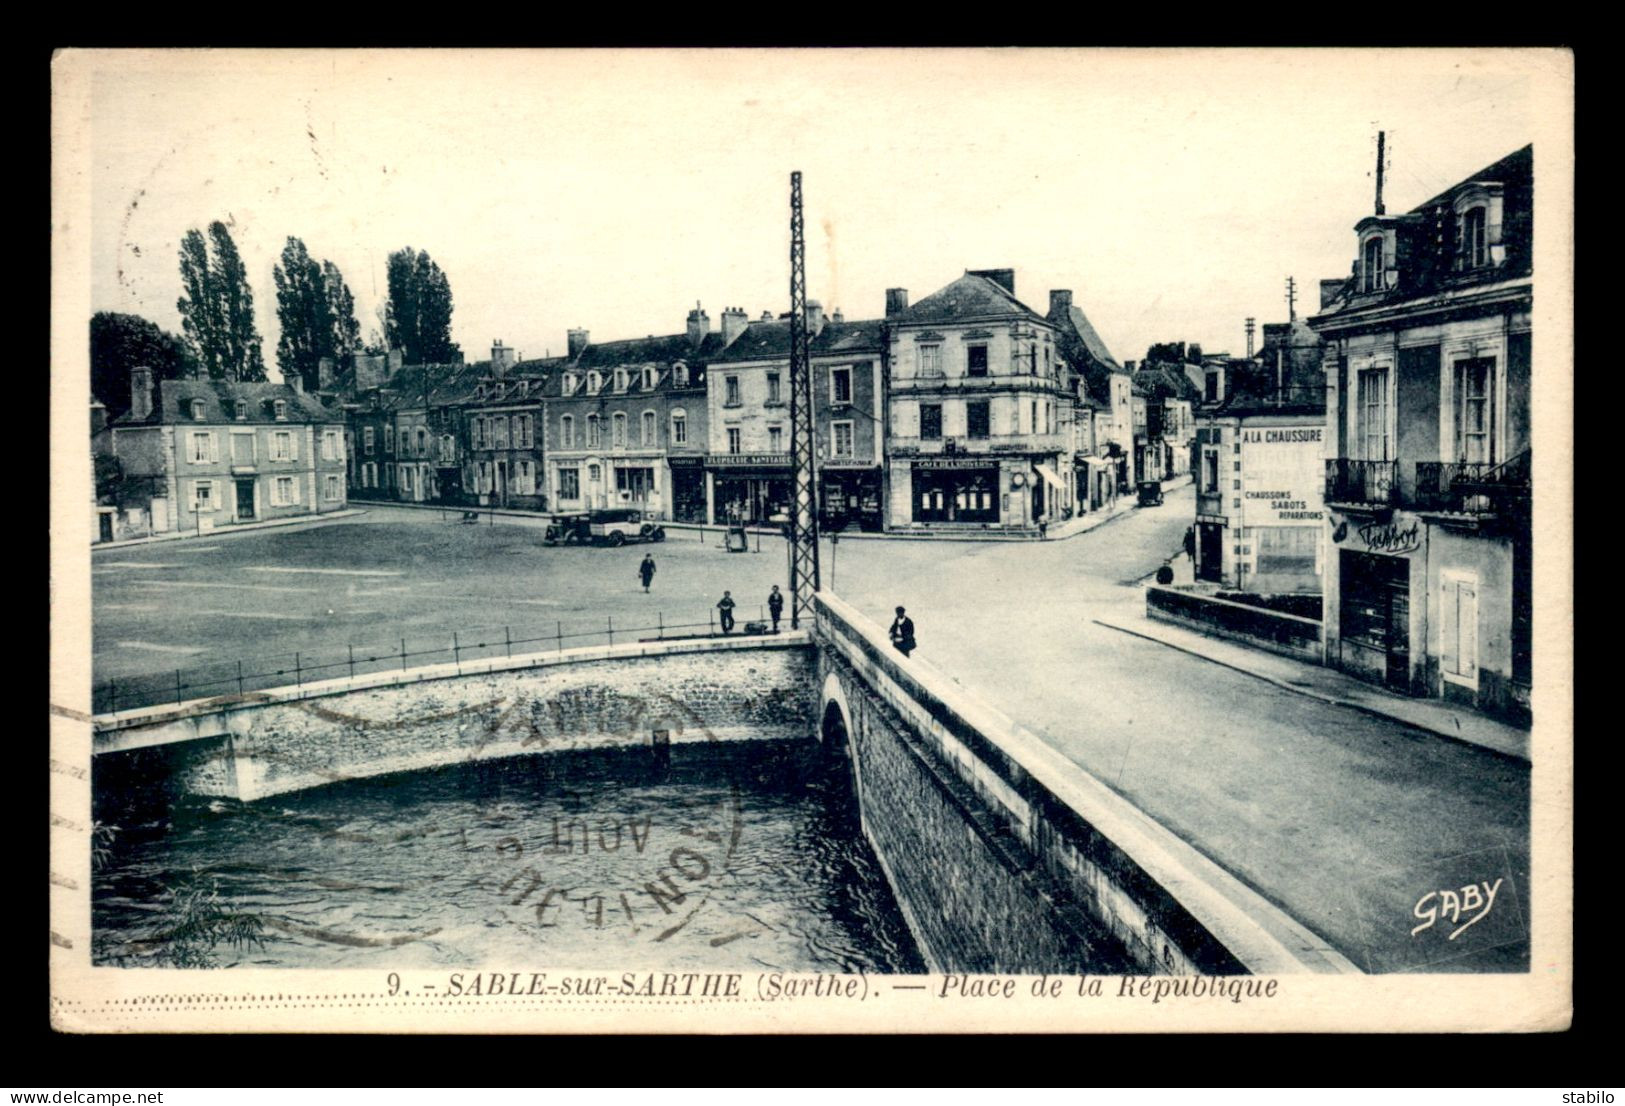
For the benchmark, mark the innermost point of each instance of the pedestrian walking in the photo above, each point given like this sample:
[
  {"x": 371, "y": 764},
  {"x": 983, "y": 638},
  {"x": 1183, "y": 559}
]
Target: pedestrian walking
[
  {"x": 1190, "y": 545},
  {"x": 902, "y": 633},
  {"x": 1043, "y": 527},
  {"x": 646, "y": 571},
  {"x": 726, "y": 606},
  {"x": 775, "y": 606}
]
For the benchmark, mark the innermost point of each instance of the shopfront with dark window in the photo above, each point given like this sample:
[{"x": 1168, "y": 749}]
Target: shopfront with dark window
[
  {"x": 750, "y": 487},
  {"x": 851, "y": 497},
  {"x": 1375, "y": 617},
  {"x": 687, "y": 489},
  {"x": 958, "y": 491}
]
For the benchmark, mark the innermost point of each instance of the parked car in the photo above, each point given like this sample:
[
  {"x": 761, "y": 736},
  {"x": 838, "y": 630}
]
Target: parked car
[
  {"x": 1150, "y": 493},
  {"x": 618, "y": 526},
  {"x": 567, "y": 529}
]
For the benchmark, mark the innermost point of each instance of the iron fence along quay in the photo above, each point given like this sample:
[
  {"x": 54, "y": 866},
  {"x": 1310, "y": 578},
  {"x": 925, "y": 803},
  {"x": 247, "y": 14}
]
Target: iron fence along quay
[{"x": 461, "y": 646}]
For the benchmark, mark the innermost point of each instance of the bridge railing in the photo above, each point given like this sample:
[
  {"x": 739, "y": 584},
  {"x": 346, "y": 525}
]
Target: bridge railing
[{"x": 461, "y": 645}]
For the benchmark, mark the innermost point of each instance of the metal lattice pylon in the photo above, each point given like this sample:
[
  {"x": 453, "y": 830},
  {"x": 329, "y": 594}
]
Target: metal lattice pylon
[{"x": 803, "y": 453}]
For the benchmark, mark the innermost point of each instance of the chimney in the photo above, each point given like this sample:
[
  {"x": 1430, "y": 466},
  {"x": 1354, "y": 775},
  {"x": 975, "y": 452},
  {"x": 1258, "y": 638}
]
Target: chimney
[
  {"x": 1330, "y": 290},
  {"x": 503, "y": 357},
  {"x": 815, "y": 318},
  {"x": 699, "y": 325},
  {"x": 734, "y": 321},
  {"x": 767, "y": 316},
  {"x": 1128, "y": 366},
  {"x": 1004, "y": 278},
  {"x": 1060, "y": 302},
  {"x": 140, "y": 392},
  {"x": 98, "y": 417},
  {"x": 394, "y": 363},
  {"x": 576, "y": 339},
  {"x": 296, "y": 381},
  {"x": 896, "y": 301},
  {"x": 326, "y": 374},
  {"x": 837, "y": 317}
]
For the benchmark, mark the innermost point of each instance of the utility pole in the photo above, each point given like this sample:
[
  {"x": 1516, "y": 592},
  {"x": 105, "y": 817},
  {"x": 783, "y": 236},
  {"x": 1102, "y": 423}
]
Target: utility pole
[
  {"x": 803, "y": 456},
  {"x": 1250, "y": 327},
  {"x": 1291, "y": 299}
]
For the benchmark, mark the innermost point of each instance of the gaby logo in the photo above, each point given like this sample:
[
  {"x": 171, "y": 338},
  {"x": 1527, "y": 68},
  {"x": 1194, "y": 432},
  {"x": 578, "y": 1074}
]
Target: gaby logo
[{"x": 1450, "y": 905}]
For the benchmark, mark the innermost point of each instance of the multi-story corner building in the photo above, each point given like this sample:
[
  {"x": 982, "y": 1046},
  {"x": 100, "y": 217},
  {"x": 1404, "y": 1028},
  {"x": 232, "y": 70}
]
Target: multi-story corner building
[
  {"x": 1103, "y": 429},
  {"x": 503, "y": 428},
  {"x": 748, "y": 466},
  {"x": 627, "y": 420},
  {"x": 203, "y": 454},
  {"x": 1428, "y": 475},
  {"x": 977, "y": 411},
  {"x": 1260, "y": 468}
]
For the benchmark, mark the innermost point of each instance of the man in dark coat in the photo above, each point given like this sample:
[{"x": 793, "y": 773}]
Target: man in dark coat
[
  {"x": 902, "y": 633},
  {"x": 1190, "y": 544},
  {"x": 646, "y": 571},
  {"x": 726, "y": 606},
  {"x": 775, "y": 606}
]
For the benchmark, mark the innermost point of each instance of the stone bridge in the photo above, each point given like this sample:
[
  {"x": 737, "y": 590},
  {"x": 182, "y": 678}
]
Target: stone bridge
[{"x": 1004, "y": 855}]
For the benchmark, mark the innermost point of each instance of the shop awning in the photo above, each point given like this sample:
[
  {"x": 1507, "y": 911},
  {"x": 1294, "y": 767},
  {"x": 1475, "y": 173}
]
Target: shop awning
[{"x": 1050, "y": 477}]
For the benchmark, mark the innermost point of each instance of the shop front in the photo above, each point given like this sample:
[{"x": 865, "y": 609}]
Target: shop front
[
  {"x": 850, "y": 497},
  {"x": 956, "y": 490},
  {"x": 687, "y": 489},
  {"x": 749, "y": 487}
]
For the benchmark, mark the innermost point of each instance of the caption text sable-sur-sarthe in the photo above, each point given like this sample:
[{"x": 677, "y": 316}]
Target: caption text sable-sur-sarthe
[{"x": 785, "y": 986}]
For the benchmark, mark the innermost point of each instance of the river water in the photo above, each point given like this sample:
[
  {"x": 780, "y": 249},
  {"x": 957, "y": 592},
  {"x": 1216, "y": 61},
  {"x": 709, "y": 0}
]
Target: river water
[{"x": 742, "y": 857}]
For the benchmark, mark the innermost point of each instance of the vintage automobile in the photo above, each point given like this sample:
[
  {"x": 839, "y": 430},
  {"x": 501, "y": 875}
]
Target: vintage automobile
[
  {"x": 567, "y": 529},
  {"x": 618, "y": 526},
  {"x": 1151, "y": 493}
]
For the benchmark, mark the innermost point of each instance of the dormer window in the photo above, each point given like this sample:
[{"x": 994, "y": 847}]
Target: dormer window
[
  {"x": 498, "y": 389},
  {"x": 1475, "y": 247},
  {"x": 679, "y": 375},
  {"x": 569, "y": 383},
  {"x": 620, "y": 380},
  {"x": 279, "y": 408},
  {"x": 479, "y": 391},
  {"x": 197, "y": 410},
  {"x": 1371, "y": 266},
  {"x": 648, "y": 379},
  {"x": 524, "y": 388},
  {"x": 594, "y": 381}
]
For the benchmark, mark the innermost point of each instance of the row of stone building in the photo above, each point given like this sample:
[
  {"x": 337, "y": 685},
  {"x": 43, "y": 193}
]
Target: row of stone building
[
  {"x": 1378, "y": 454},
  {"x": 966, "y": 409}
]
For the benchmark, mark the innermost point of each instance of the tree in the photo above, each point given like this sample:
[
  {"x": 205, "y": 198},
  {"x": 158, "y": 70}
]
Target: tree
[
  {"x": 217, "y": 306},
  {"x": 417, "y": 319},
  {"x": 341, "y": 309},
  {"x": 118, "y": 343},
  {"x": 303, "y": 311}
]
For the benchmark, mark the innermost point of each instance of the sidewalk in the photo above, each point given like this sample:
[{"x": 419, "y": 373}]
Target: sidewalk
[
  {"x": 1330, "y": 686},
  {"x": 234, "y": 528}
]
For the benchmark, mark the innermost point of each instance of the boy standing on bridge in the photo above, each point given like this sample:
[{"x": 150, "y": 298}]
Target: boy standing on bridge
[
  {"x": 775, "y": 606},
  {"x": 726, "y": 606},
  {"x": 902, "y": 633}
]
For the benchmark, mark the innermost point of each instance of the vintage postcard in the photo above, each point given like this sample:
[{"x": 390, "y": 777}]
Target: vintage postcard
[{"x": 811, "y": 540}]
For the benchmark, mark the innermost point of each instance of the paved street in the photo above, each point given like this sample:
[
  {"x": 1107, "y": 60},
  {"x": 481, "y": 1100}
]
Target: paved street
[{"x": 1340, "y": 817}]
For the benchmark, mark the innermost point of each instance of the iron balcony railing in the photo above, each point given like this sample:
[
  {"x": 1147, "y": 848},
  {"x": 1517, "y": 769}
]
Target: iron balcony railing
[{"x": 1366, "y": 483}]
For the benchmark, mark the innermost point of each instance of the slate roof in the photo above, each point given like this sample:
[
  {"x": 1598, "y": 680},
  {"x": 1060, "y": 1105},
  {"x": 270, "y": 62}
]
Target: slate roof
[
  {"x": 220, "y": 397},
  {"x": 661, "y": 350},
  {"x": 771, "y": 341},
  {"x": 969, "y": 297},
  {"x": 1165, "y": 381}
]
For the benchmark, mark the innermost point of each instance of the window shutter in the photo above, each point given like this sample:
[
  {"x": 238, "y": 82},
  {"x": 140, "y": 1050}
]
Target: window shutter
[
  {"x": 214, "y": 446},
  {"x": 293, "y": 450},
  {"x": 1467, "y": 604},
  {"x": 293, "y": 490},
  {"x": 1449, "y": 623}
]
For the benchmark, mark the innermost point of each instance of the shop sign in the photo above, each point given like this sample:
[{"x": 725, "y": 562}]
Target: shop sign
[
  {"x": 1283, "y": 472},
  {"x": 758, "y": 460},
  {"x": 956, "y": 463}
]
